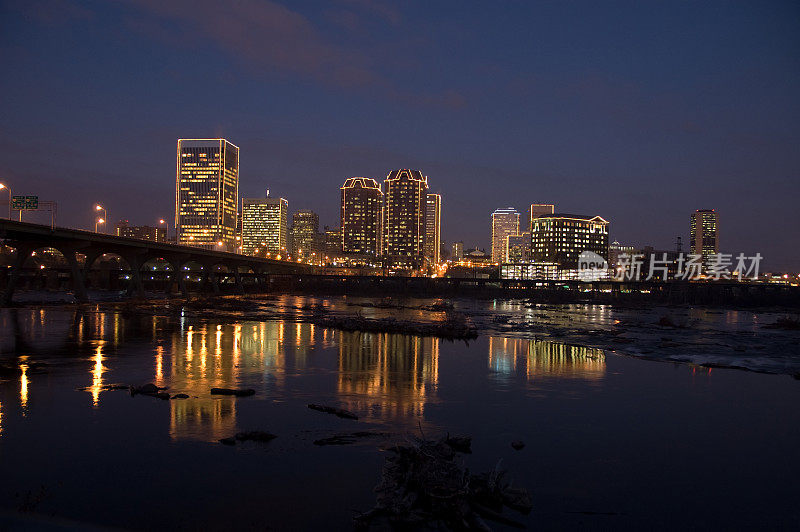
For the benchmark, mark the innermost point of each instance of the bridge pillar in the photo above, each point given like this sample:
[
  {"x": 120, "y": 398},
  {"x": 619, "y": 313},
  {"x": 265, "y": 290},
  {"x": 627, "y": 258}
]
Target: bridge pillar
[
  {"x": 237, "y": 276},
  {"x": 135, "y": 284},
  {"x": 23, "y": 252},
  {"x": 77, "y": 273}
]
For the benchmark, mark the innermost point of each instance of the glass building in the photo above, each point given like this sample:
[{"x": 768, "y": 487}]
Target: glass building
[
  {"x": 265, "y": 226},
  {"x": 207, "y": 193},
  {"x": 505, "y": 222},
  {"x": 433, "y": 228},
  {"x": 361, "y": 213}
]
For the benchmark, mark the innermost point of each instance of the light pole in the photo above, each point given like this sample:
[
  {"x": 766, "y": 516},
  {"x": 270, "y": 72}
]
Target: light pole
[
  {"x": 163, "y": 222},
  {"x": 99, "y": 221},
  {"x": 99, "y": 208},
  {"x": 2, "y": 186}
]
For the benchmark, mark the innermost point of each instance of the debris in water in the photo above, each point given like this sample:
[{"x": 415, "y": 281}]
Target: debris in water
[
  {"x": 350, "y": 438},
  {"x": 424, "y": 486},
  {"x": 339, "y": 412},
  {"x": 253, "y": 435},
  {"x": 518, "y": 445}
]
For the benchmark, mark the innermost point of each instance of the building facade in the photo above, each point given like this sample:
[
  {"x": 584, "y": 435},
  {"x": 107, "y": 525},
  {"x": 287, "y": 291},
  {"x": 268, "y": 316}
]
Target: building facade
[
  {"x": 361, "y": 209},
  {"x": 560, "y": 238},
  {"x": 265, "y": 226},
  {"x": 505, "y": 222},
  {"x": 141, "y": 232},
  {"x": 207, "y": 193},
  {"x": 433, "y": 228},
  {"x": 539, "y": 209},
  {"x": 333, "y": 241},
  {"x": 405, "y": 208},
  {"x": 704, "y": 233},
  {"x": 305, "y": 228},
  {"x": 458, "y": 250},
  {"x": 518, "y": 248}
]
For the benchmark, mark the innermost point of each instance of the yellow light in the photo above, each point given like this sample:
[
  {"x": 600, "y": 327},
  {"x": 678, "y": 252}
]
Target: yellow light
[
  {"x": 162, "y": 221},
  {"x": 101, "y": 221},
  {"x": 2, "y": 186},
  {"x": 219, "y": 243},
  {"x": 98, "y": 208}
]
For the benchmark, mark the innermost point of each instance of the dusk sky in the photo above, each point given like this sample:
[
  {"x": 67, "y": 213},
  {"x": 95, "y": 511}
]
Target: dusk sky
[{"x": 640, "y": 111}]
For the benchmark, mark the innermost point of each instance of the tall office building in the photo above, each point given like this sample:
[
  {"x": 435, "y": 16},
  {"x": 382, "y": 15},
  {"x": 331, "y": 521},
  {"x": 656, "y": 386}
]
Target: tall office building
[
  {"x": 505, "y": 222},
  {"x": 433, "y": 228},
  {"x": 305, "y": 227},
  {"x": 405, "y": 207},
  {"x": 265, "y": 226},
  {"x": 704, "y": 233},
  {"x": 561, "y": 238},
  {"x": 207, "y": 193},
  {"x": 539, "y": 209},
  {"x": 361, "y": 210},
  {"x": 333, "y": 241}
]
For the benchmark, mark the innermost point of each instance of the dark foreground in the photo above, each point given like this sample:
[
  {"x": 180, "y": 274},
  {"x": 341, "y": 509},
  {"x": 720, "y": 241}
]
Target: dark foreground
[{"x": 610, "y": 441}]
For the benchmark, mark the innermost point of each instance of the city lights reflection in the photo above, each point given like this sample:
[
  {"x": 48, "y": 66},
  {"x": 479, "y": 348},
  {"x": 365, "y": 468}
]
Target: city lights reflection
[{"x": 540, "y": 358}]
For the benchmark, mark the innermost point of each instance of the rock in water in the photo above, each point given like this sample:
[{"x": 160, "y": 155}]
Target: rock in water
[
  {"x": 517, "y": 445},
  {"x": 228, "y": 441},
  {"x": 338, "y": 412},
  {"x": 180, "y": 396},
  {"x": 255, "y": 435},
  {"x": 232, "y": 391},
  {"x": 145, "y": 389}
]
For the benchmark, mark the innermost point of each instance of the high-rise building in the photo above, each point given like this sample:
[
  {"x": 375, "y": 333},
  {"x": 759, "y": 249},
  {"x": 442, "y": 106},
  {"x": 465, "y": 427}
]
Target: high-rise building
[
  {"x": 518, "y": 248},
  {"x": 305, "y": 227},
  {"x": 405, "y": 207},
  {"x": 539, "y": 209},
  {"x": 505, "y": 222},
  {"x": 561, "y": 238},
  {"x": 361, "y": 211},
  {"x": 141, "y": 232},
  {"x": 433, "y": 228},
  {"x": 207, "y": 193},
  {"x": 333, "y": 241},
  {"x": 704, "y": 233},
  {"x": 458, "y": 250},
  {"x": 264, "y": 226}
]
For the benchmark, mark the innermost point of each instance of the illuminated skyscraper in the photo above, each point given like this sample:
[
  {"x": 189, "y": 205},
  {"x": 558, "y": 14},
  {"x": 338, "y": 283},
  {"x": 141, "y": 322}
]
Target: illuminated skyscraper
[
  {"x": 305, "y": 228},
  {"x": 405, "y": 207},
  {"x": 505, "y": 222},
  {"x": 561, "y": 238},
  {"x": 433, "y": 228},
  {"x": 207, "y": 193},
  {"x": 265, "y": 226},
  {"x": 458, "y": 250},
  {"x": 539, "y": 209},
  {"x": 361, "y": 211},
  {"x": 704, "y": 233}
]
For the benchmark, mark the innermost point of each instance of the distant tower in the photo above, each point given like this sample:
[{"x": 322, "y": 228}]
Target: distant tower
[
  {"x": 361, "y": 211},
  {"x": 433, "y": 228},
  {"x": 405, "y": 207},
  {"x": 704, "y": 233},
  {"x": 458, "y": 250},
  {"x": 505, "y": 222},
  {"x": 305, "y": 226},
  {"x": 207, "y": 193}
]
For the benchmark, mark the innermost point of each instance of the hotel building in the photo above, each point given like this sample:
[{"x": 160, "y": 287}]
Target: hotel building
[
  {"x": 265, "y": 226},
  {"x": 539, "y": 209},
  {"x": 560, "y": 238},
  {"x": 207, "y": 193},
  {"x": 405, "y": 208},
  {"x": 505, "y": 222},
  {"x": 361, "y": 211}
]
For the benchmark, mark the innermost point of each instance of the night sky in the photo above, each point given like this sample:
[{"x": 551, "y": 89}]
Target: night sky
[{"x": 638, "y": 111}]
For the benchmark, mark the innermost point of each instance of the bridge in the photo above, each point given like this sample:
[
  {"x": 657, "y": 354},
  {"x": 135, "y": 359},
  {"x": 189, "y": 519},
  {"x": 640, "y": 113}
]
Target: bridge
[{"x": 82, "y": 248}]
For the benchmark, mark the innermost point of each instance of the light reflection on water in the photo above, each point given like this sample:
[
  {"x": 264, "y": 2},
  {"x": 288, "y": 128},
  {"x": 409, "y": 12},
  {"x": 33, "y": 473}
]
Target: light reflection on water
[
  {"x": 383, "y": 377},
  {"x": 540, "y": 358}
]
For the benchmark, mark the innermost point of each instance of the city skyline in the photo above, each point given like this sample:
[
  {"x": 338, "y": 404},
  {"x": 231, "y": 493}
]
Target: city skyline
[{"x": 623, "y": 126}]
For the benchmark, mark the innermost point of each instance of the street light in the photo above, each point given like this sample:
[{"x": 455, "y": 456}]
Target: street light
[
  {"x": 99, "y": 221},
  {"x": 2, "y": 186},
  {"x": 99, "y": 208},
  {"x": 163, "y": 222}
]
